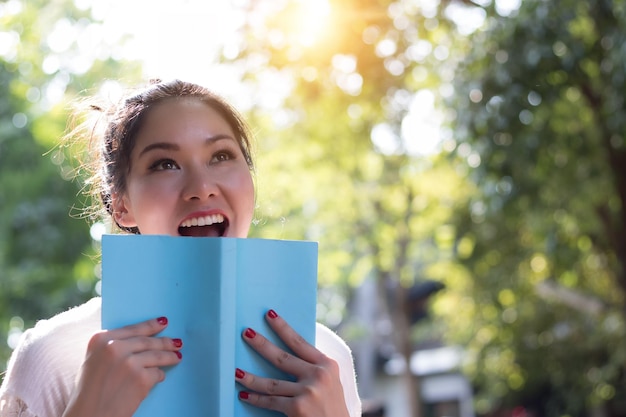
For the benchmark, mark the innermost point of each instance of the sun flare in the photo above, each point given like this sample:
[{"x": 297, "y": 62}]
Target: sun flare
[{"x": 310, "y": 21}]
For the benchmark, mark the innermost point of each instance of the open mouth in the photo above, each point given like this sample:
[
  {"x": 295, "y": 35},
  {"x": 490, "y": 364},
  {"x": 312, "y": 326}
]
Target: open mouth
[{"x": 207, "y": 226}]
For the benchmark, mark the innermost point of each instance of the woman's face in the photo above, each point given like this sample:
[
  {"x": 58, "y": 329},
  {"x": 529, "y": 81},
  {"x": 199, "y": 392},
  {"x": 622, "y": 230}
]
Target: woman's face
[{"x": 188, "y": 175}]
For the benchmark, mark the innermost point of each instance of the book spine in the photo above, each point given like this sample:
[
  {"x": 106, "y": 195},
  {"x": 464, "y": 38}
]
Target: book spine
[{"x": 228, "y": 336}]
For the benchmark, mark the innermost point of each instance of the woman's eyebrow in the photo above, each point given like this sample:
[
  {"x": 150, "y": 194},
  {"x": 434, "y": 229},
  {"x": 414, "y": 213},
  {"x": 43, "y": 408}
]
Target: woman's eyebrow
[
  {"x": 222, "y": 136},
  {"x": 170, "y": 146}
]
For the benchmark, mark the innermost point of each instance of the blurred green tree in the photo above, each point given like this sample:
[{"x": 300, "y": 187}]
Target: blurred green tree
[
  {"x": 540, "y": 117},
  {"x": 45, "y": 264},
  {"x": 535, "y": 116},
  {"x": 351, "y": 115},
  {"x": 534, "y": 97}
]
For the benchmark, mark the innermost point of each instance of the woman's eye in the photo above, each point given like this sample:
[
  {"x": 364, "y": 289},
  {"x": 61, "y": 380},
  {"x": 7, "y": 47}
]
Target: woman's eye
[
  {"x": 222, "y": 156},
  {"x": 163, "y": 165}
]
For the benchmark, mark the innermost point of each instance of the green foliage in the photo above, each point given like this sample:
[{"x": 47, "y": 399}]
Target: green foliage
[
  {"x": 541, "y": 103},
  {"x": 379, "y": 209},
  {"x": 523, "y": 222},
  {"x": 322, "y": 165},
  {"x": 39, "y": 241},
  {"x": 534, "y": 262},
  {"x": 45, "y": 249}
]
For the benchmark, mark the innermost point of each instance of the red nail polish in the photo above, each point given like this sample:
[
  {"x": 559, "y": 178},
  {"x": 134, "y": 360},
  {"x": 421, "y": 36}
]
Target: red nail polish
[
  {"x": 162, "y": 321},
  {"x": 272, "y": 314},
  {"x": 180, "y": 355},
  {"x": 250, "y": 333},
  {"x": 177, "y": 343},
  {"x": 239, "y": 374},
  {"x": 243, "y": 395}
]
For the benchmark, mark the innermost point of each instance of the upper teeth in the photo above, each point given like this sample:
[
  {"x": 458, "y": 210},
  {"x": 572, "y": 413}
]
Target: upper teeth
[{"x": 203, "y": 221}]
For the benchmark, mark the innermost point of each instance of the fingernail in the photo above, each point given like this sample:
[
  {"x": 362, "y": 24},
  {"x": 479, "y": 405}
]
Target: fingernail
[
  {"x": 180, "y": 355},
  {"x": 162, "y": 321},
  {"x": 177, "y": 343},
  {"x": 239, "y": 374},
  {"x": 272, "y": 314},
  {"x": 250, "y": 333},
  {"x": 243, "y": 395}
]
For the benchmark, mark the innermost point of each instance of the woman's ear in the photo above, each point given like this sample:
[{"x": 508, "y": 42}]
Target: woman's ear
[{"x": 122, "y": 213}]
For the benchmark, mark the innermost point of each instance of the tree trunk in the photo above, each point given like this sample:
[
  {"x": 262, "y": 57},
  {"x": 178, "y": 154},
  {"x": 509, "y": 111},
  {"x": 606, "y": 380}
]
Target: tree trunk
[{"x": 403, "y": 341}]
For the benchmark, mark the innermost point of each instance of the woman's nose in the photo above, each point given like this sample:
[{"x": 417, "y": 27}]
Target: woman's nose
[{"x": 199, "y": 185}]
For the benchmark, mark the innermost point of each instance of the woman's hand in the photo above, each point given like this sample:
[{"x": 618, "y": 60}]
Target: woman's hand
[
  {"x": 120, "y": 368},
  {"x": 317, "y": 391}
]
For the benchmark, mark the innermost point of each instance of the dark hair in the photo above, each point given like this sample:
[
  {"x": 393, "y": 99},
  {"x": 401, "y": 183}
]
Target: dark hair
[{"x": 112, "y": 146}]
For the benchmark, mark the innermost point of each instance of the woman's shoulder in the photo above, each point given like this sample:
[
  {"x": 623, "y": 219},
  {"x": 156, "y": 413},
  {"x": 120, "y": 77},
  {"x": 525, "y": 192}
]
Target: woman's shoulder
[
  {"x": 65, "y": 327},
  {"x": 74, "y": 320},
  {"x": 50, "y": 351},
  {"x": 331, "y": 344},
  {"x": 62, "y": 328}
]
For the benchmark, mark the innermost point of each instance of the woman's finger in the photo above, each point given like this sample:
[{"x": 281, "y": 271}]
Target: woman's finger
[
  {"x": 122, "y": 353},
  {"x": 148, "y": 351},
  {"x": 269, "y": 386},
  {"x": 143, "y": 344},
  {"x": 294, "y": 340},
  {"x": 282, "y": 360},
  {"x": 144, "y": 328},
  {"x": 156, "y": 359},
  {"x": 276, "y": 403}
]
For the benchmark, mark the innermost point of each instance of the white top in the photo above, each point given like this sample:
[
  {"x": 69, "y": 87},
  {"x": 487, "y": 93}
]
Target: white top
[{"x": 43, "y": 368}]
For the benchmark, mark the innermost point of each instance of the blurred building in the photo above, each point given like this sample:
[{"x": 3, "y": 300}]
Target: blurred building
[{"x": 444, "y": 390}]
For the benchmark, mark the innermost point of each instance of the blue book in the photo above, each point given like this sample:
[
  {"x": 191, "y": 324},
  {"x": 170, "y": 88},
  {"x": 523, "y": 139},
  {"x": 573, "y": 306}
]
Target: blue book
[{"x": 211, "y": 290}]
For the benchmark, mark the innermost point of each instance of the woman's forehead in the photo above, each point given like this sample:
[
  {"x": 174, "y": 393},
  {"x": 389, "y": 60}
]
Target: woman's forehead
[
  {"x": 180, "y": 119},
  {"x": 170, "y": 111}
]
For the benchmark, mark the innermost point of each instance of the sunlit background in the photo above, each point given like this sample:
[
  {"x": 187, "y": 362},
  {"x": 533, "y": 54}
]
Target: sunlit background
[
  {"x": 185, "y": 40},
  {"x": 459, "y": 162}
]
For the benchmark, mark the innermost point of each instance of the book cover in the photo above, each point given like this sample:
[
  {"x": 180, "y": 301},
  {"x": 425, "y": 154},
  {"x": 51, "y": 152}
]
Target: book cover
[{"x": 210, "y": 289}]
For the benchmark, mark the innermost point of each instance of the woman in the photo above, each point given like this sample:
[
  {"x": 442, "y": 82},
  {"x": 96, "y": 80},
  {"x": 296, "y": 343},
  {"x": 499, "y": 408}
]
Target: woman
[{"x": 174, "y": 159}]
